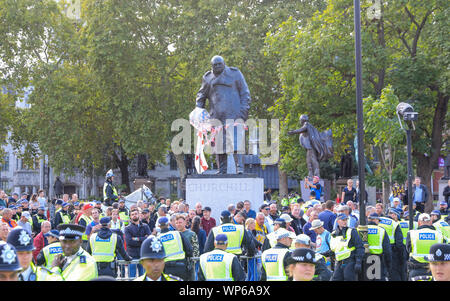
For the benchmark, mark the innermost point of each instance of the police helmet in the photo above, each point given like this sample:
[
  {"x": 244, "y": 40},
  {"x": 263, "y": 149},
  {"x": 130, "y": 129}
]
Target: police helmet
[
  {"x": 8, "y": 258},
  {"x": 109, "y": 174},
  {"x": 20, "y": 239},
  {"x": 152, "y": 248}
]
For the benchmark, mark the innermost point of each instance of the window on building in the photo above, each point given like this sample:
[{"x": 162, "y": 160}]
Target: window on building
[
  {"x": 5, "y": 165},
  {"x": 173, "y": 186},
  {"x": 4, "y": 185}
]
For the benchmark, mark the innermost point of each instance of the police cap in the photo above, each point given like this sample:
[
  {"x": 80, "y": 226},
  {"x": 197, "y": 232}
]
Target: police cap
[
  {"x": 163, "y": 220},
  {"x": 59, "y": 202},
  {"x": 152, "y": 248},
  {"x": 304, "y": 255},
  {"x": 439, "y": 252},
  {"x": 70, "y": 231},
  {"x": 436, "y": 212},
  {"x": 54, "y": 233},
  {"x": 21, "y": 239},
  {"x": 374, "y": 216},
  {"x": 104, "y": 221},
  {"x": 225, "y": 213},
  {"x": 8, "y": 258},
  {"x": 221, "y": 239}
]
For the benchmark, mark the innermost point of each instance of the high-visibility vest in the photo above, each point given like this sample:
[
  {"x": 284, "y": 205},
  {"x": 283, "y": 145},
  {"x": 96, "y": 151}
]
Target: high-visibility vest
[
  {"x": 389, "y": 225},
  {"x": 64, "y": 217},
  {"x": 82, "y": 268},
  {"x": 173, "y": 245},
  {"x": 285, "y": 202},
  {"x": 50, "y": 252},
  {"x": 88, "y": 220},
  {"x": 272, "y": 262},
  {"x": 404, "y": 226},
  {"x": 43, "y": 274},
  {"x": 443, "y": 217},
  {"x": 421, "y": 242},
  {"x": 124, "y": 216},
  {"x": 339, "y": 245},
  {"x": 113, "y": 189},
  {"x": 317, "y": 258},
  {"x": 443, "y": 227},
  {"x": 103, "y": 250},
  {"x": 375, "y": 237},
  {"x": 167, "y": 277},
  {"x": 235, "y": 235},
  {"x": 217, "y": 265}
]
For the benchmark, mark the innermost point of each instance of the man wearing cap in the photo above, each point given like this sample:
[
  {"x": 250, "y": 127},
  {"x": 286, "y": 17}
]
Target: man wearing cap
[
  {"x": 394, "y": 232},
  {"x": 302, "y": 264},
  {"x": 348, "y": 249},
  {"x": 110, "y": 194},
  {"x": 439, "y": 263},
  {"x": 323, "y": 238},
  {"x": 104, "y": 245},
  {"x": 207, "y": 222},
  {"x": 178, "y": 249},
  {"x": 380, "y": 246},
  {"x": 9, "y": 263},
  {"x": 439, "y": 224},
  {"x": 275, "y": 260},
  {"x": 62, "y": 216},
  {"x": 50, "y": 251},
  {"x": 124, "y": 213},
  {"x": 418, "y": 244},
  {"x": 238, "y": 237},
  {"x": 443, "y": 210},
  {"x": 322, "y": 273},
  {"x": 24, "y": 221},
  {"x": 37, "y": 220},
  {"x": 271, "y": 240},
  {"x": 74, "y": 264},
  {"x": 219, "y": 265},
  {"x": 23, "y": 243},
  {"x": 152, "y": 257}
]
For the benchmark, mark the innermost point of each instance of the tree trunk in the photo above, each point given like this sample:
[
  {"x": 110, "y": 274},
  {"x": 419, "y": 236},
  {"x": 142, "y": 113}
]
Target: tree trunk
[
  {"x": 282, "y": 183},
  {"x": 386, "y": 192},
  {"x": 123, "y": 163}
]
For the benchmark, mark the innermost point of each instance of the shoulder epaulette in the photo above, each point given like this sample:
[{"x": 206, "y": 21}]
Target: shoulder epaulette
[
  {"x": 422, "y": 278},
  {"x": 174, "y": 278}
]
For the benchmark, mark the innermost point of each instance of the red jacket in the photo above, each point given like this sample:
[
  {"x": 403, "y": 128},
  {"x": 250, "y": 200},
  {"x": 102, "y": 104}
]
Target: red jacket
[{"x": 39, "y": 243}]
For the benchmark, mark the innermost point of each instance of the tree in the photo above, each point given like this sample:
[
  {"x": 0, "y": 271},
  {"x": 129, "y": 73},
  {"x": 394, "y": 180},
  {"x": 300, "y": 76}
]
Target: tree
[{"x": 400, "y": 47}]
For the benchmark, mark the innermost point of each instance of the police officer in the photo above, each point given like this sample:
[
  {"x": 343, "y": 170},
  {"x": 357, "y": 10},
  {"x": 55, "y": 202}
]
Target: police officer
[
  {"x": 219, "y": 265},
  {"x": 50, "y": 251},
  {"x": 443, "y": 210},
  {"x": 238, "y": 237},
  {"x": 152, "y": 259},
  {"x": 9, "y": 263},
  {"x": 322, "y": 273},
  {"x": 379, "y": 244},
  {"x": 302, "y": 264},
  {"x": 177, "y": 248},
  {"x": 271, "y": 240},
  {"x": 275, "y": 260},
  {"x": 110, "y": 194},
  {"x": 418, "y": 244},
  {"x": 62, "y": 216},
  {"x": 394, "y": 232},
  {"x": 348, "y": 250},
  {"x": 22, "y": 241},
  {"x": 439, "y": 224},
  {"x": 37, "y": 220},
  {"x": 124, "y": 213},
  {"x": 74, "y": 264},
  {"x": 439, "y": 264},
  {"x": 103, "y": 246}
]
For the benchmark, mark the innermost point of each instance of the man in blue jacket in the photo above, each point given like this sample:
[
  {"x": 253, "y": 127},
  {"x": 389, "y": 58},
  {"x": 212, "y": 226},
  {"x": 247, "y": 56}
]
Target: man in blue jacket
[{"x": 135, "y": 233}]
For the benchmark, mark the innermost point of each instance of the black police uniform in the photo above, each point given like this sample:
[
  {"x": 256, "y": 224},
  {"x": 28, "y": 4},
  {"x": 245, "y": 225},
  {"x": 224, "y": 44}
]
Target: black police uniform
[
  {"x": 345, "y": 269},
  {"x": 109, "y": 268}
]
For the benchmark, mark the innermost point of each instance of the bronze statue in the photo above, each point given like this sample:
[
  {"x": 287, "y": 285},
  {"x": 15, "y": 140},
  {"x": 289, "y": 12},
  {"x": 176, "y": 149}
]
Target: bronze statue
[
  {"x": 229, "y": 98},
  {"x": 319, "y": 146}
]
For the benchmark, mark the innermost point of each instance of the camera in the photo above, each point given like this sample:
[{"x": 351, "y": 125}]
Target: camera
[{"x": 407, "y": 112}]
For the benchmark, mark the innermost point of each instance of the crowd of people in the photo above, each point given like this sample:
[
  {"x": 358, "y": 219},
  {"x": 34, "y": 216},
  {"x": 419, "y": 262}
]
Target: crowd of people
[{"x": 284, "y": 240}]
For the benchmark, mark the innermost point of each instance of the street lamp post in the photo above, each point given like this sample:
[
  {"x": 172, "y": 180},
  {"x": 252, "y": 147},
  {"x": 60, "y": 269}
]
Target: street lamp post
[{"x": 406, "y": 111}]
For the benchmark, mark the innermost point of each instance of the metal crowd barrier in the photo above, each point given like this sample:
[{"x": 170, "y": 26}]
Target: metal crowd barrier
[{"x": 251, "y": 265}]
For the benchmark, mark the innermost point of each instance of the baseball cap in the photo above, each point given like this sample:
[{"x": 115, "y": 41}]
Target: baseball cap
[
  {"x": 303, "y": 239},
  {"x": 424, "y": 217},
  {"x": 225, "y": 213},
  {"x": 26, "y": 214},
  {"x": 53, "y": 232},
  {"x": 87, "y": 206},
  {"x": 207, "y": 209}
]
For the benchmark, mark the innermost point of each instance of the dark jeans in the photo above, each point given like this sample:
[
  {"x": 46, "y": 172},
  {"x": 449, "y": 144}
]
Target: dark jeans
[{"x": 344, "y": 271}]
